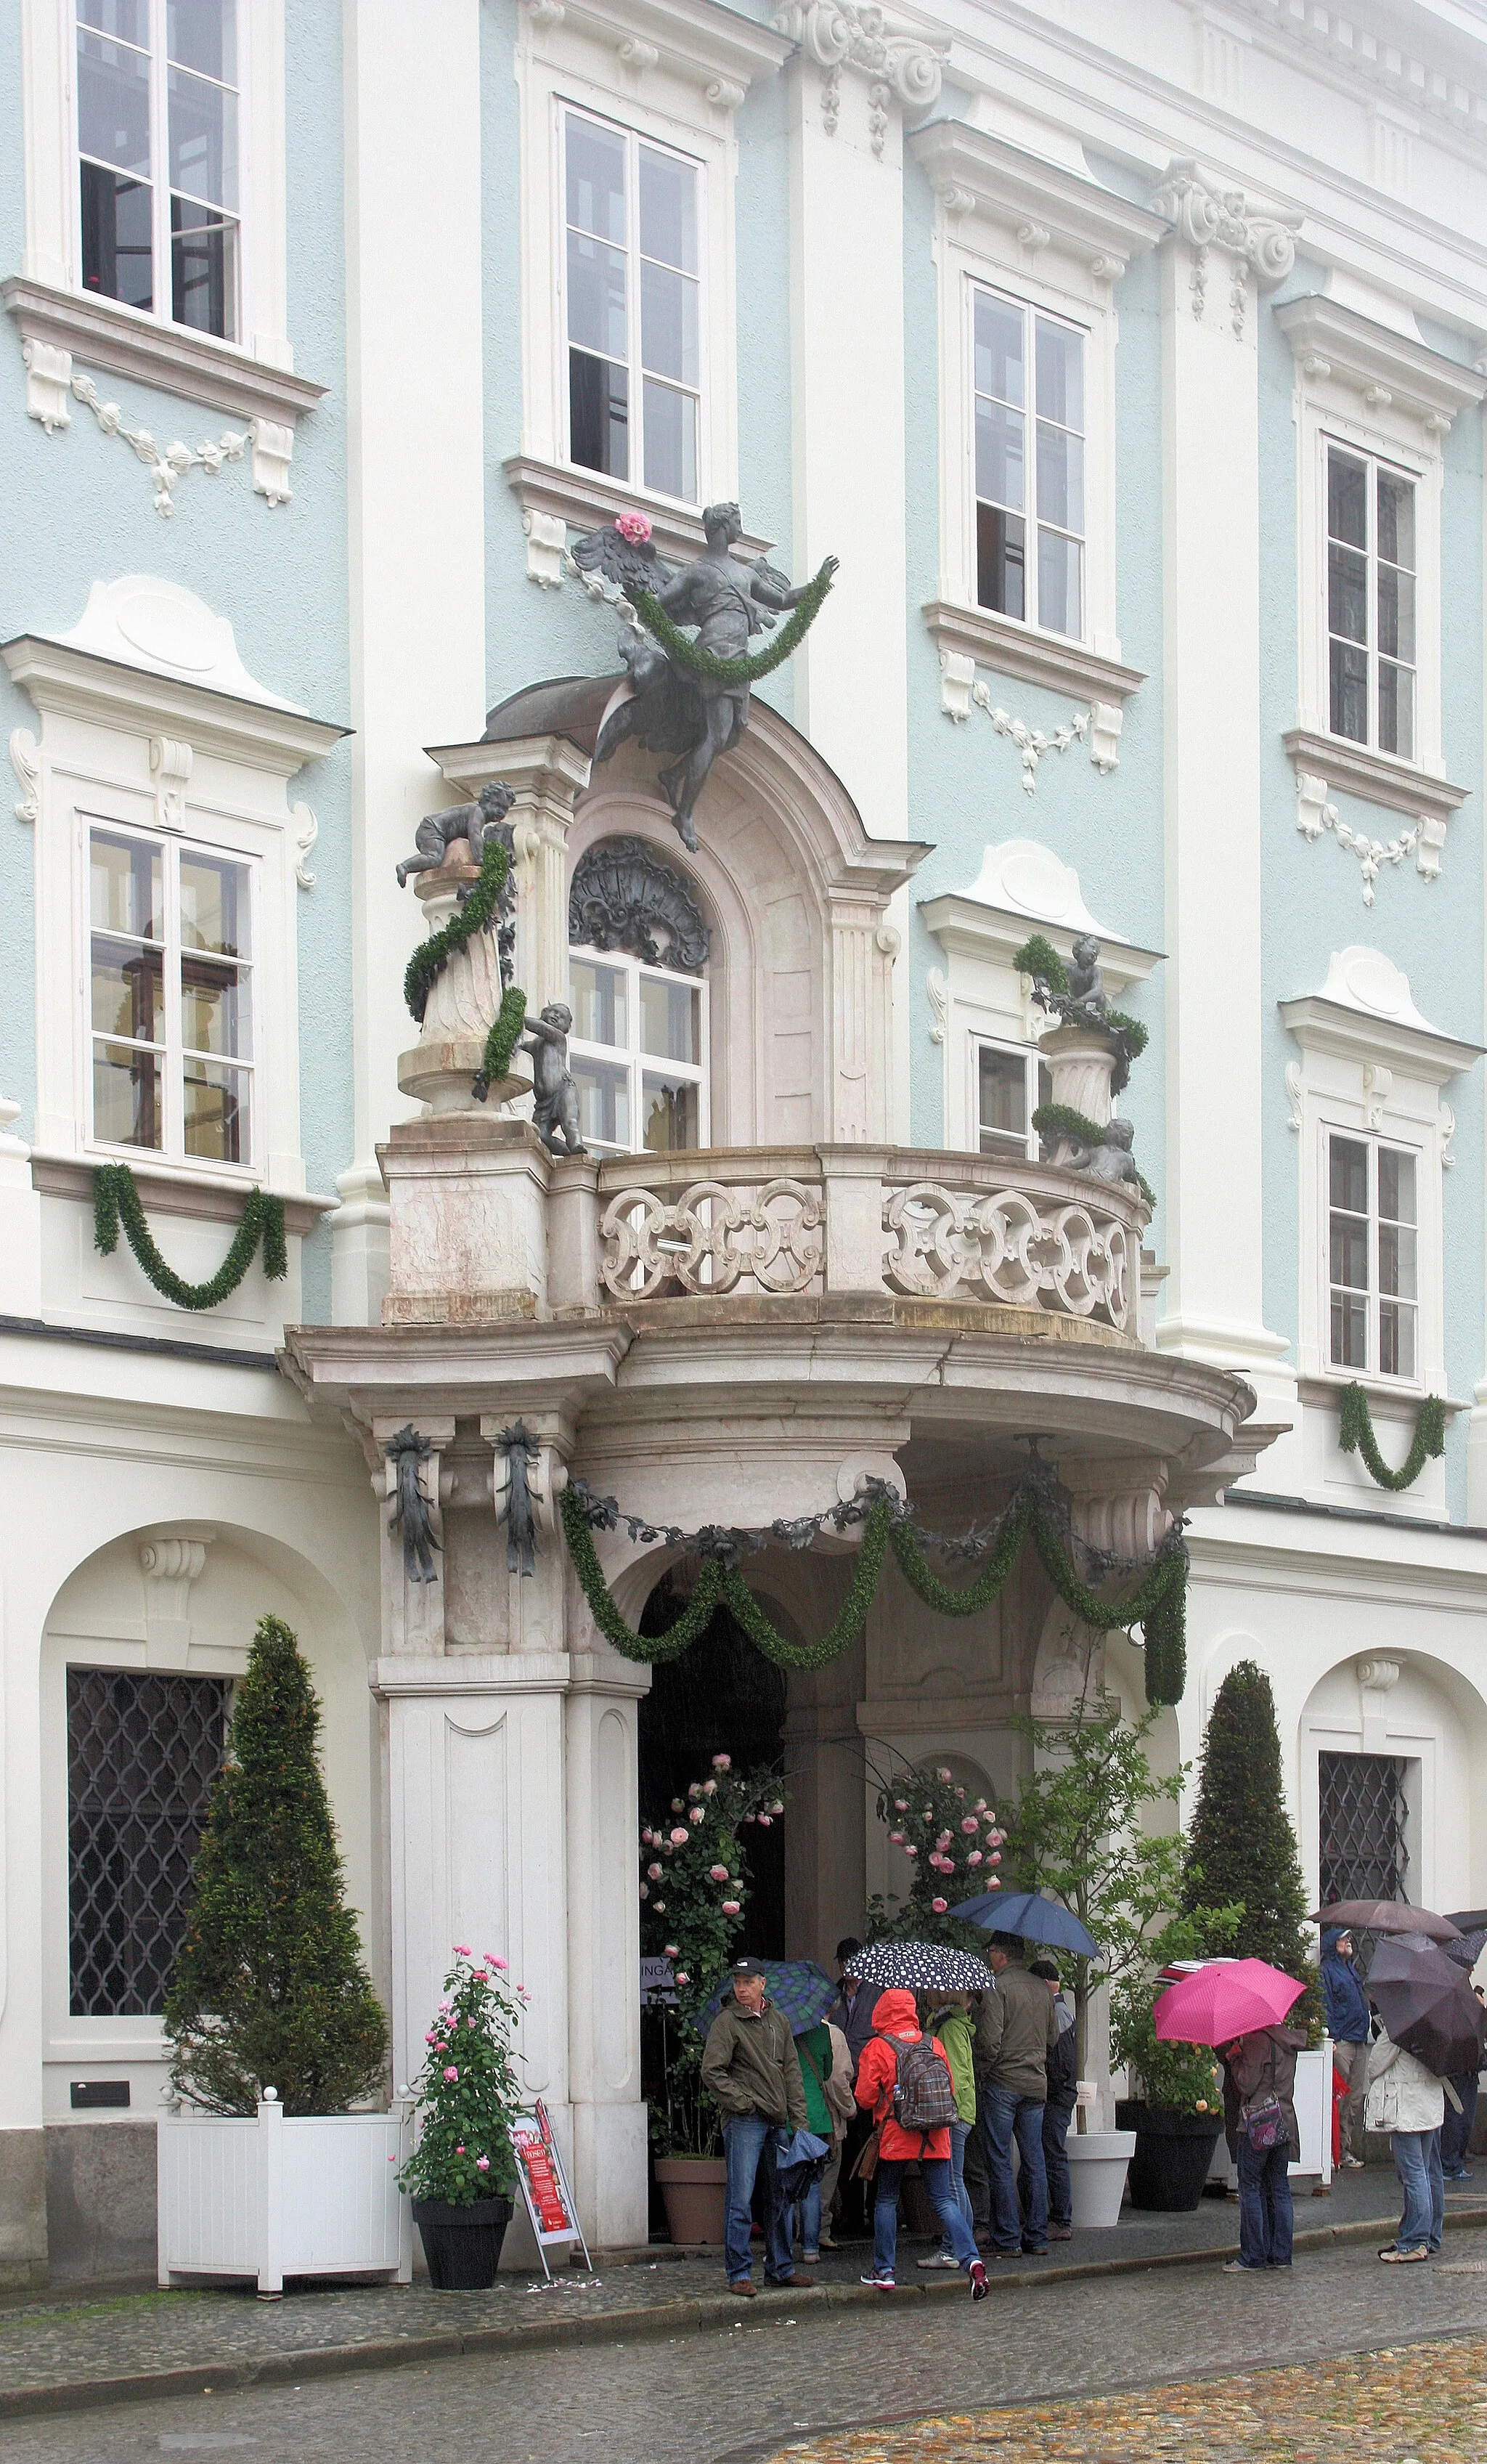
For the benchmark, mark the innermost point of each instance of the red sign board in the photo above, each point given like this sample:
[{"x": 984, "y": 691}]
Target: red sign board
[{"x": 544, "y": 2183}]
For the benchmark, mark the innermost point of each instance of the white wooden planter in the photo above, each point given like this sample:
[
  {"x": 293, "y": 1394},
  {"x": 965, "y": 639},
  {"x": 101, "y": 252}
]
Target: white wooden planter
[{"x": 277, "y": 2195}]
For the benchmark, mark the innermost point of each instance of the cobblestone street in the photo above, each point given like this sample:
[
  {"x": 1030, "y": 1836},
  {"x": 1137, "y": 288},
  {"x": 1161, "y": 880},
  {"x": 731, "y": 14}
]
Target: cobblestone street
[{"x": 761, "y": 2387}]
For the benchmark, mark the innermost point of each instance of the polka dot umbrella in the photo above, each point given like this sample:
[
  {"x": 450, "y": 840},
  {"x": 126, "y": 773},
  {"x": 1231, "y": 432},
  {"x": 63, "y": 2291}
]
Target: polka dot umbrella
[{"x": 919, "y": 1968}]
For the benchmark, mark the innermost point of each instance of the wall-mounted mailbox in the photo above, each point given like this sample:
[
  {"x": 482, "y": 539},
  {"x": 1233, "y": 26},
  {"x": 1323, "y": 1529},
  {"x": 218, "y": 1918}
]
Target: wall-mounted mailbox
[{"x": 94, "y": 2092}]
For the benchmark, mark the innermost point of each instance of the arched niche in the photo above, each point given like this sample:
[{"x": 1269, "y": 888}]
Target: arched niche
[{"x": 1420, "y": 1714}]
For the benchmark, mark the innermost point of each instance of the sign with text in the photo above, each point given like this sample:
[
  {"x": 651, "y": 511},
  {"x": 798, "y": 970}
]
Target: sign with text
[{"x": 544, "y": 2184}]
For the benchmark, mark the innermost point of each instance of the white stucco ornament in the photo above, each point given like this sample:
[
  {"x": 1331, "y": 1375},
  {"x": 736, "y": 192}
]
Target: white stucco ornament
[
  {"x": 1364, "y": 979},
  {"x": 1031, "y": 880},
  {"x": 144, "y": 621}
]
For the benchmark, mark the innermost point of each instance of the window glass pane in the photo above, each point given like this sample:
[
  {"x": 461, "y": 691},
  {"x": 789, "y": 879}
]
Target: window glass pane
[
  {"x": 115, "y": 216},
  {"x": 669, "y": 1019},
  {"x": 113, "y": 104},
  {"x": 1348, "y": 1251},
  {"x": 999, "y": 561},
  {"x": 124, "y": 886},
  {"x": 998, "y": 454},
  {"x": 669, "y": 1107},
  {"x": 204, "y": 249},
  {"x": 203, "y": 139},
  {"x": 599, "y": 414},
  {"x": 1349, "y": 1331},
  {"x": 1348, "y": 692},
  {"x": 1348, "y": 500},
  {"x": 1061, "y": 478},
  {"x": 126, "y": 1097},
  {"x": 1060, "y": 567},
  {"x": 671, "y": 441},
  {"x": 128, "y": 990},
  {"x": 1396, "y": 710},
  {"x": 1397, "y": 1339},
  {"x": 127, "y": 19},
  {"x": 1001, "y": 1081},
  {"x": 1347, "y": 1175},
  {"x": 604, "y": 1101},
  {"x": 1397, "y": 1263},
  {"x": 668, "y": 324},
  {"x": 1347, "y": 594},
  {"x": 216, "y": 1009},
  {"x": 202, "y": 34},
  {"x": 596, "y": 997},
  {"x": 597, "y": 297},
  {"x": 596, "y": 180},
  {"x": 1396, "y": 1186},
  {"x": 1060, "y": 374},
  {"x": 1397, "y": 519},
  {"x": 668, "y": 211},
  {"x": 1000, "y": 347},
  {"x": 1396, "y": 614},
  {"x": 216, "y": 1112}
]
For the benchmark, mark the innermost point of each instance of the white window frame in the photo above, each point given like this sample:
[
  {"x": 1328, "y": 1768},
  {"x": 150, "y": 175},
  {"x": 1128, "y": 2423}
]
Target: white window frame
[
  {"x": 1373, "y": 1144},
  {"x": 633, "y": 139},
  {"x": 160, "y": 313},
  {"x": 562, "y": 66},
  {"x": 1375, "y": 464},
  {"x": 698, "y": 1072},
  {"x": 173, "y": 1150},
  {"x": 1031, "y": 311},
  {"x": 1028, "y": 1054}
]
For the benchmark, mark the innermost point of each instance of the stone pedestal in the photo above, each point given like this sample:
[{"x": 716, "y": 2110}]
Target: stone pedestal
[
  {"x": 1082, "y": 1063},
  {"x": 467, "y": 1195},
  {"x": 461, "y": 1006}
]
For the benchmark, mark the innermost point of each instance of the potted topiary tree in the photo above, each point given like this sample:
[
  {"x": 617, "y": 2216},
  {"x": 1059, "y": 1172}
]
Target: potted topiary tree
[
  {"x": 273, "y": 2024},
  {"x": 462, "y": 2174},
  {"x": 1176, "y": 2106}
]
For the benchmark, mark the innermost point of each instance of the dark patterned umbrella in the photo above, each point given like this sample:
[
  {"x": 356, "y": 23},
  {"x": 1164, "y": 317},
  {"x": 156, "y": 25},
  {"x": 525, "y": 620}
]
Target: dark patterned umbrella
[
  {"x": 1468, "y": 1950},
  {"x": 921, "y": 1967},
  {"x": 802, "y": 1989},
  {"x": 1426, "y": 2006},
  {"x": 1384, "y": 1915}
]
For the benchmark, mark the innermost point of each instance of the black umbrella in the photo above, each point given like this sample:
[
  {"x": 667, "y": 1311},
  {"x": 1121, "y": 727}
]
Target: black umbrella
[
  {"x": 919, "y": 1968},
  {"x": 1426, "y": 2005},
  {"x": 1468, "y": 1949},
  {"x": 1382, "y": 1916}
]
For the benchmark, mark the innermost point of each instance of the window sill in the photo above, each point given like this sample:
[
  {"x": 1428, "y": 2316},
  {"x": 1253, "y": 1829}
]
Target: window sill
[
  {"x": 172, "y": 358},
  {"x": 208, "y": 1196},
  {"x": 555, "y": 499},
  {"x": 1393, "y": 1399},
  {"x": 1047, "y": 659},
  {"x": 1377, "y": 778}
]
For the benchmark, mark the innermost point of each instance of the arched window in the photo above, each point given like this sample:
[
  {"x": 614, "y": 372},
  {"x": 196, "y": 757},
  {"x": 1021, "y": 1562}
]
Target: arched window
[{"x": 639, "y": 1047}]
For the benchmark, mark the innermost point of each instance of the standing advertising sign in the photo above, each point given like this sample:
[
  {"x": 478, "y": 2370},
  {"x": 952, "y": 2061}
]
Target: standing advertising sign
[{"x": 544, "y": 2185}]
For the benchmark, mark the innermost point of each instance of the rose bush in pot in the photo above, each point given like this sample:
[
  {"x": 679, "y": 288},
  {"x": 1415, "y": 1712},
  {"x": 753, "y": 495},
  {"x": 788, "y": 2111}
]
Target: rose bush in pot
[{"x": 462, "y": 2176}]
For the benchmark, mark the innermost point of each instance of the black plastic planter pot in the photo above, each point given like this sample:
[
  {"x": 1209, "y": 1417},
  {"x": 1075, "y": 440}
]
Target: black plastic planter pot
[
  {"x": 1173, "y": 2153},
  {"x": 462, "y": 2245}
]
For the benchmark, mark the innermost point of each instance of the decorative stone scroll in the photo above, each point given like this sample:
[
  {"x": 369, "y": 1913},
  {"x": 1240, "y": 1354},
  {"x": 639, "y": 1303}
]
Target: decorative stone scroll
[
  {"x": 709, "y": 1238},
  {"x": 1007, "y": 1246},
  {"x": 624, "y": 897}
]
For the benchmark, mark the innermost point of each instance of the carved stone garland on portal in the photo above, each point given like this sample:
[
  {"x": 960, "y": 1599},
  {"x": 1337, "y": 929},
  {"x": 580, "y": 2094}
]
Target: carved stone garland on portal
[{"x": 624, "y": 897}]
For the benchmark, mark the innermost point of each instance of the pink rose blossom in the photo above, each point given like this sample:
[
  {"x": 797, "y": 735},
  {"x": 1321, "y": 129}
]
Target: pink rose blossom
[
  {"x": 695, "y": 1789},
  {"x": 939, "y": 1906},
  {"x": 961, "y": 1795},
  {"x": 942, "y": 1841},
  {"x": 717, "y": 1873},
  {"x": 644, "y": 1890},
  {"x": 776, "y": 1805},
  {"x": 722, "y": 1762},
  {"x": 482, "y": 2164},
  {"x": 897, "y": 1839},
  {"x": 900, "y": 1805},
  {"x": 661, "y": 1907},
  {"x": 677, "y": 1806},
  {"x": 392, "y": 2160},
  {"x": 969, "y": 1822},
  {"x": 495, "y": 1961},
  {"x": 994, "y": 1858},
  {"x": 993, "y": 1881},
  {"x": 682, "y": 1976},
  {"x": 674, "y": 1950},
  {"x": 975, "y": 1858},
  {"x": 765, "y": 1820},
  {"x": 709, "y": 1788},
  {"x": 445, "y": 2003},
  {"x": 655, "y": 1872},
  {"x": 452, "y": 2072},
  {"x": 731, "y": 1907},
  {"x": 909, "y": 1850},
  {"x": 461, "y": 1950},
  {"x": 633, "y": 527},
  {"x": 698, "y": 1813},
  {"x": 944, "y": 1771},
  {"x": 460, "y": 2149},
  {"x": 679, "y": 1838}
]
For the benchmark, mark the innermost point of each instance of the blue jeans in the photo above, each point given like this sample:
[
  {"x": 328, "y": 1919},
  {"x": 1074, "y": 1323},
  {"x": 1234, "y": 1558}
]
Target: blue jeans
[
  {"x": 958, "y": 2235},
  {"x": 805, "y": 2213},
  {"x": 1416, "y": 2155},
  {"x": 1265, "y": 2213},
  {"x": 1004, "y": 2116},
  {"x": 959, "y": 2133},
  {"x": 749, "y": 2145},
  {"x": 1456, "y": 2131},
  {"x": 1057, "y": 2119}
]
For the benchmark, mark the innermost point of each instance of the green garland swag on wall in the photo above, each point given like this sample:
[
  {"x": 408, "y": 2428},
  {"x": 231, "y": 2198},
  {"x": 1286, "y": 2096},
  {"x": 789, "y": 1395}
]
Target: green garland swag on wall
[
  {"x": 115, "y": 1201},
  {"x": 482, "y": 908},
  {"x": 1062, "y": 1121},
  {"x": 1159, "y": 1605},
  {"x": 1355, "y": 1436},
  {"x": 750, "y": 667}
]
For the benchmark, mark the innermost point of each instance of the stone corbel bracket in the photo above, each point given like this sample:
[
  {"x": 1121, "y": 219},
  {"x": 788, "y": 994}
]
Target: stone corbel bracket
[
  {"x": 171, "y": 1562},
  {"x": 898, "y": 62},
  {"x": 1257, "y": 239},
  {"x": 962, "y": 691}
]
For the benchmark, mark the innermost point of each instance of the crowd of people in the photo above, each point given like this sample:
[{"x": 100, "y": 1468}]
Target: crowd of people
[{"x": 952, "y": 2083}]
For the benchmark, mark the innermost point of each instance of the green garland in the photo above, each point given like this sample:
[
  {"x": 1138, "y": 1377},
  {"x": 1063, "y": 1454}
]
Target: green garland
[
  {"x": 1039, "y": 958},
  {"x": 1062, "y": 1121},
  {"x": 115, "y": 1201},
  {"x": 481, "y": 908},
  {"x": 1355, "y": 1436},
  {"x": 501, "y": 1043},
  {"x": 744, "y": 671},
  {"x": 1158, "y": 1605}
]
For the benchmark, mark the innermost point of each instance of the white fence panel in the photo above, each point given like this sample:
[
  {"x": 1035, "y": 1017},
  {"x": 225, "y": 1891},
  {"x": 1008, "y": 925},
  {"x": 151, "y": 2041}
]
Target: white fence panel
[
  {"x": 344, "y": 2211},
  {"x": 207, "y": 2179}
]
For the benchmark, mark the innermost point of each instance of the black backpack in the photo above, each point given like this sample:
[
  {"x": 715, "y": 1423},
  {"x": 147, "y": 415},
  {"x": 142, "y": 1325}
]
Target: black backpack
[{"x": 924, "y": 2093}]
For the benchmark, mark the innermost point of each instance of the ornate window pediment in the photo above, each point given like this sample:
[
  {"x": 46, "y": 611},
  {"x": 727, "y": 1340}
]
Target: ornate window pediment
[{"x": 624, "y": 897}]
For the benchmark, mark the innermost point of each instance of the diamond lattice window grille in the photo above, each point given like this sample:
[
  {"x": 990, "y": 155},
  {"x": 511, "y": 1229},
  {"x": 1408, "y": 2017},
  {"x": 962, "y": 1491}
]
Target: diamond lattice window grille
[
  {"x": 142, "y": 1751},
  {"x": 1363, "y": 1815}
]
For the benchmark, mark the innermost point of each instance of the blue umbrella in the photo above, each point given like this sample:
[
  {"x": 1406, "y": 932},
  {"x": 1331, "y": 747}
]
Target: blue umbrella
[
  {"x": 797, "y": 1986},
  {"x": 1029, "y": 1914}
]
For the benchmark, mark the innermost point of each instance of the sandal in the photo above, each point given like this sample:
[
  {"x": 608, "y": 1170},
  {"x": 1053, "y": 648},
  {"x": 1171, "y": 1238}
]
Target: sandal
[{"x": 1394, "y": 2257}]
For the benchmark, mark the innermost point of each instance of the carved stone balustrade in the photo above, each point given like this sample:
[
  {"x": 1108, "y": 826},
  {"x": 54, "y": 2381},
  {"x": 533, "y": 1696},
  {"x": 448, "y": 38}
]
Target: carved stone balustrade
[{"x": 711, "y": 1223}]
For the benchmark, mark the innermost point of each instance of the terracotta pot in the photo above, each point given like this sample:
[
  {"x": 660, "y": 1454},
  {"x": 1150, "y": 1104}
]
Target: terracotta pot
[
  {"x": 462, "y": 2244},
  {"x": 696, "y": 2192}
]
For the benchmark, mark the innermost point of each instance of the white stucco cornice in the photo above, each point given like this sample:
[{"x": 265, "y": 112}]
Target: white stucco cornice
[
  {"x": 974, "y": 172},
  {"x": 1024, "y": 887},
  {"x": 881, "y": 44},
  {"x": 1426, "y": 57},
  {"x": 175, "y": 358},
  {"x": 696, "y": 40},
  {"x": 1378, "y": 361},
  {"x": 1365, "y": 1012}
]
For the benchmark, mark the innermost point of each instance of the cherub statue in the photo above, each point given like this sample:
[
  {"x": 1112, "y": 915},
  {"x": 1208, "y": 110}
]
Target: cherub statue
[
  {"x": 555, "y": 1106},
  {"x": 671, "y": 708},
  {"x": 1086, "y": 978},
  {"x": 409, "y": 1452},
  {"x": 437, "y": 832},
  {"x": 521, "y": 1451},
  {"x": 1111, "y": 1160}
]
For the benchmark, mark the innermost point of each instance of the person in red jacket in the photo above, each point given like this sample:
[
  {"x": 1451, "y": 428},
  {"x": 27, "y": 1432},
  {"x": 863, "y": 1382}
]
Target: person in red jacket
[{"x": 896, "y": 2022}]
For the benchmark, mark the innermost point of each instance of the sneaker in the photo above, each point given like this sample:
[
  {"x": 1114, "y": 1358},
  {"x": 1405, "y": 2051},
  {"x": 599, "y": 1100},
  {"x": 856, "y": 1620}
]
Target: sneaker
[
  {"x": 1241, "y": 2267},
  {"x": 741, "y": 2285},
  {"x": 880, "y": 2283},
  {"x": 941, "y": 2259},
  {"x": 1463, "y": 2173},
  {"x": 979, "y": 2286},
  {"x": 1352, "y": 2164}
]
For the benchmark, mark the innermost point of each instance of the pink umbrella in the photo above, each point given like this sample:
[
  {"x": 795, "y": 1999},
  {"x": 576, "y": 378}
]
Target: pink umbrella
[{"x": 1222, "y": 2001}]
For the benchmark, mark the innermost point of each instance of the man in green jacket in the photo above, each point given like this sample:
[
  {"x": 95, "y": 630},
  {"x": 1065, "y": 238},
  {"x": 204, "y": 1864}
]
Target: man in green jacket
[
  {"x": 1016, "y": 2031},
  {"x": 752, "y": 2071}
]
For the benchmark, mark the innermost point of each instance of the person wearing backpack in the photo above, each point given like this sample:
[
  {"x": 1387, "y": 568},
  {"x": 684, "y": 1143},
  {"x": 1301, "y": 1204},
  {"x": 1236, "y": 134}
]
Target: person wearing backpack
[
  {"x": 904, "y": 2081},
  {"x": 1260, "y": 2125},
  {"x": 951, "y": 2025}
]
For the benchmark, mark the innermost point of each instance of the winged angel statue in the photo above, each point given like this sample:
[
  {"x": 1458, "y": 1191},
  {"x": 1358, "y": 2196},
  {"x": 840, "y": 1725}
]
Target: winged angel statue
[{"x": 690, "y": 696}]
